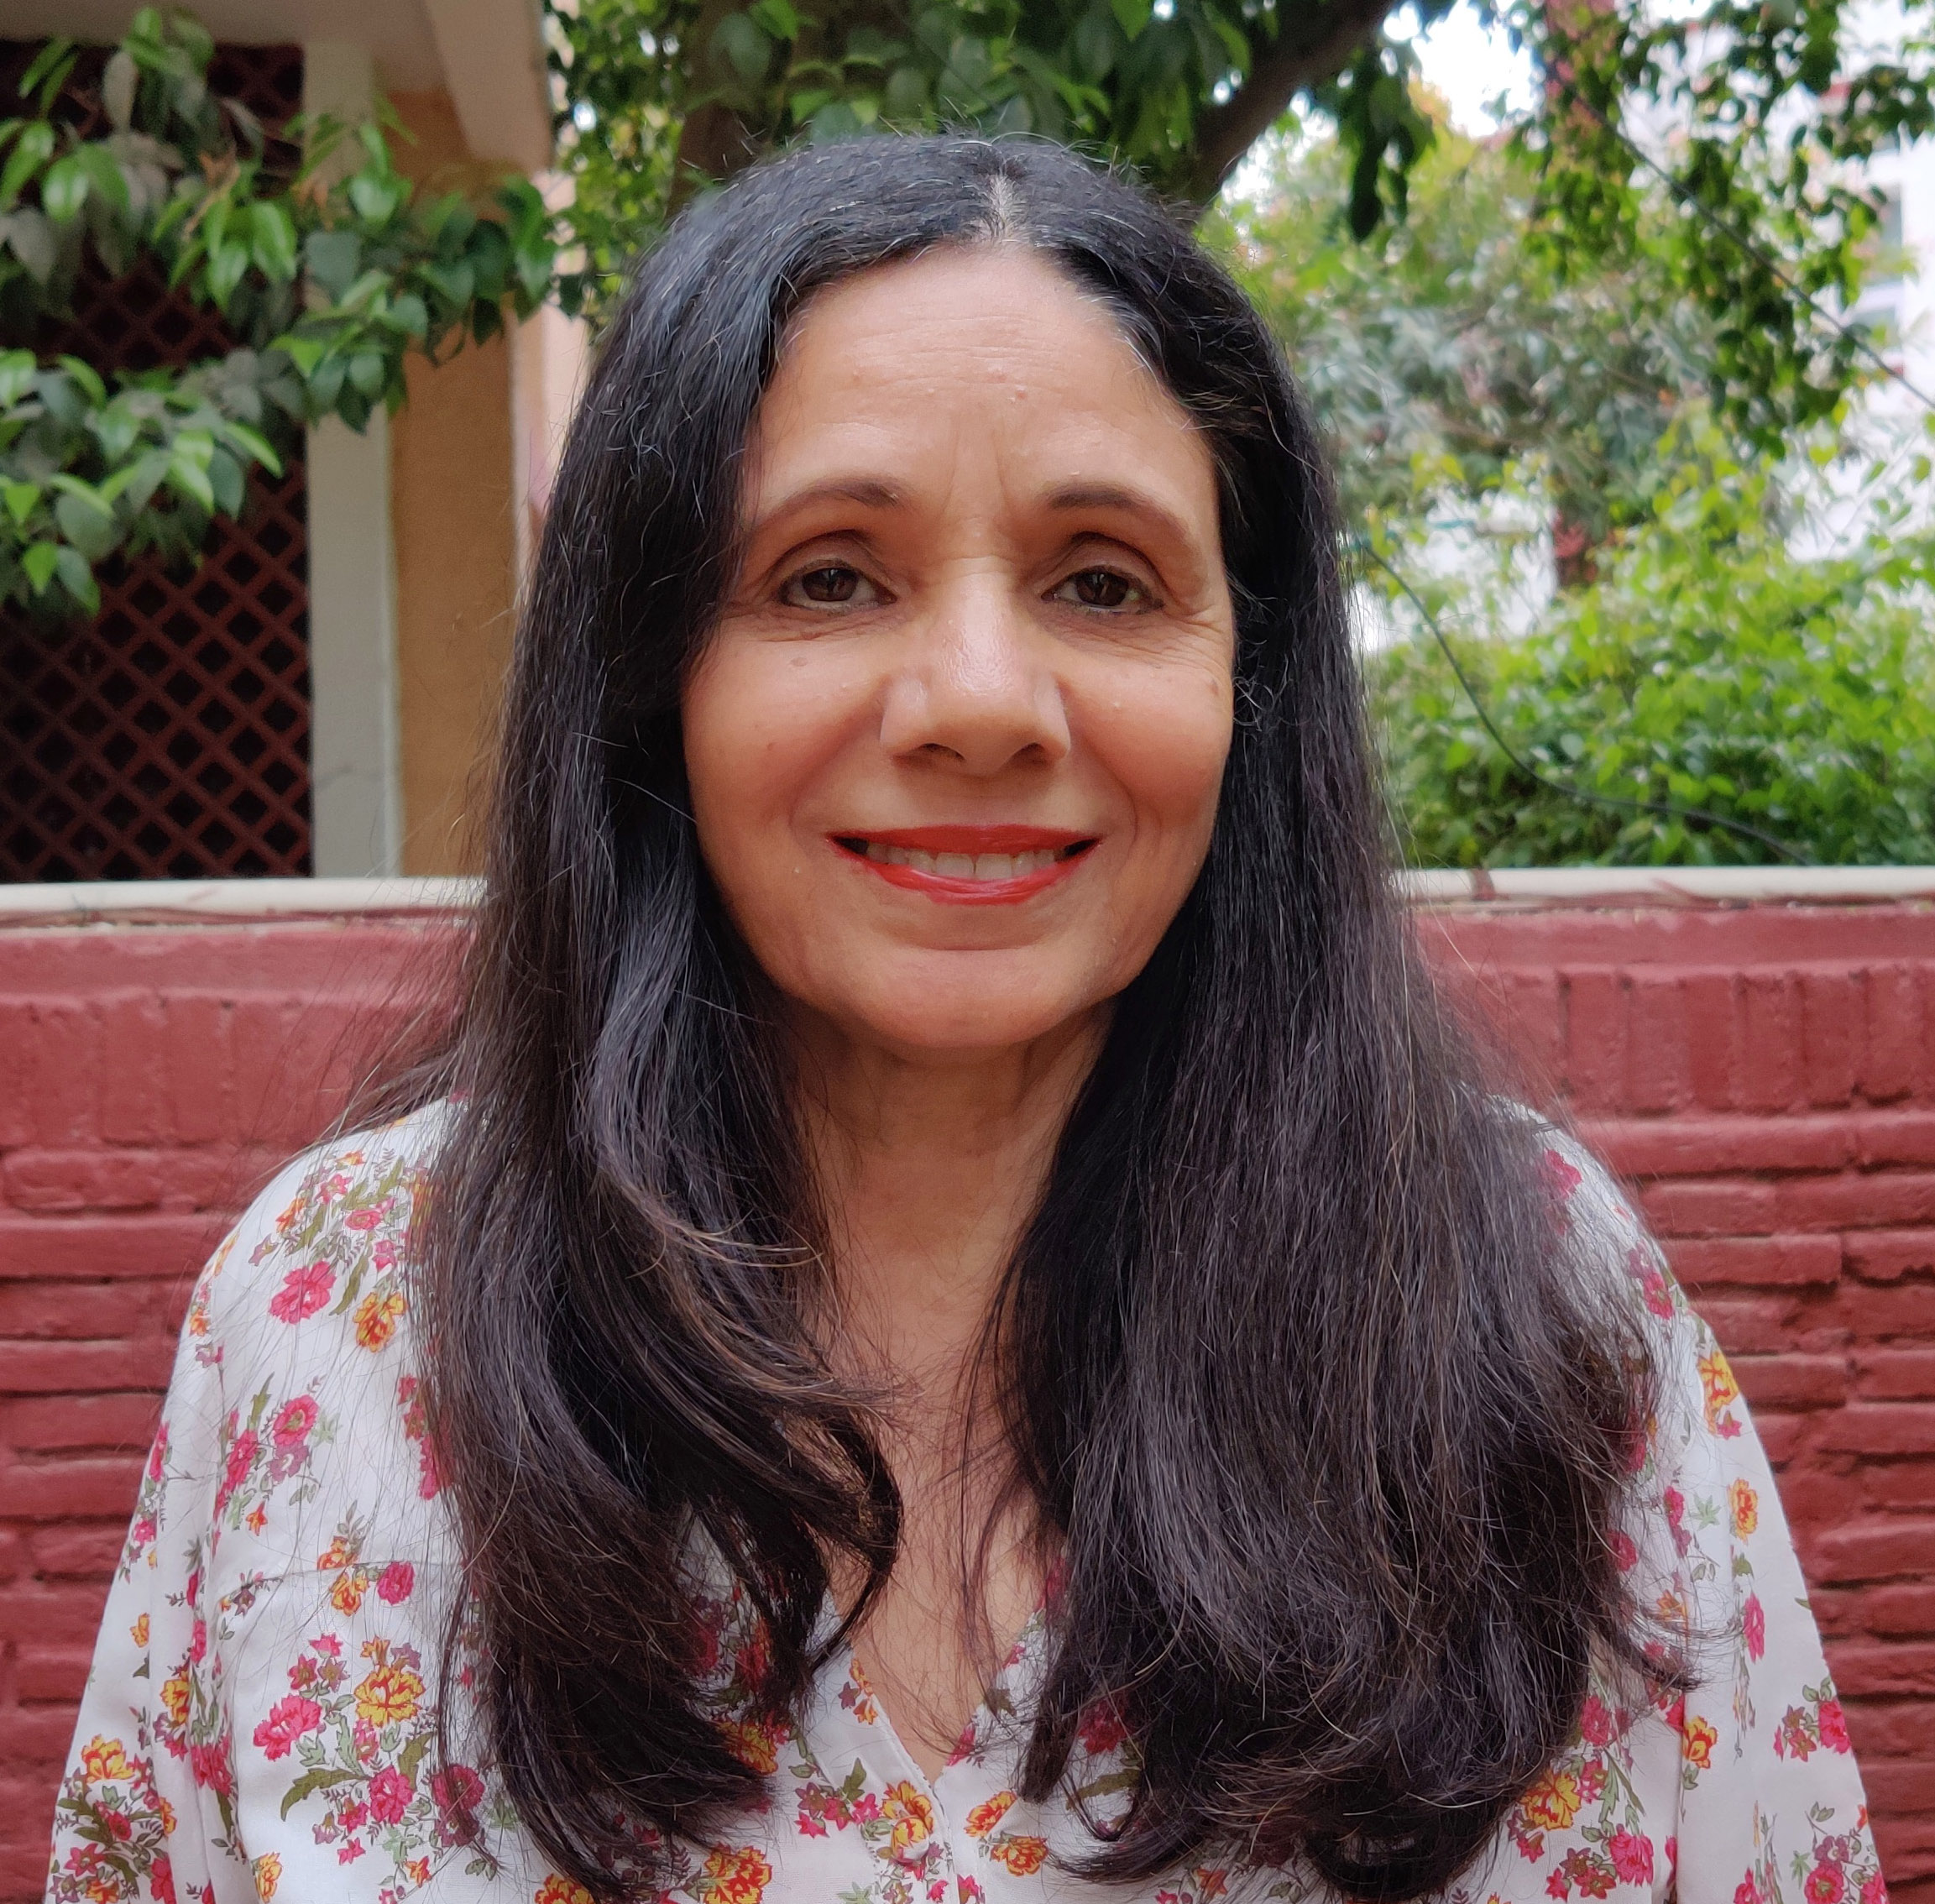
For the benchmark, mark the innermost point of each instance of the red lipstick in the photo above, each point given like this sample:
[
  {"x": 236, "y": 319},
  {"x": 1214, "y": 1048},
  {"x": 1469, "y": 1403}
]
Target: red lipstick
[{"x": 930, "y": 860}]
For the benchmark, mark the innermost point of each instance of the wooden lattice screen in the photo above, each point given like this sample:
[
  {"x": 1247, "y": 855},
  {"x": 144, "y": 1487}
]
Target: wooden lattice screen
[{"x": 168, "y": 738}]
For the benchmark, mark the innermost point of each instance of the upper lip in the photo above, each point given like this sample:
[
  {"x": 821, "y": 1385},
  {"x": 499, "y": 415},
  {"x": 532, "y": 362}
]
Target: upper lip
[{"x": 970, "y": 840}]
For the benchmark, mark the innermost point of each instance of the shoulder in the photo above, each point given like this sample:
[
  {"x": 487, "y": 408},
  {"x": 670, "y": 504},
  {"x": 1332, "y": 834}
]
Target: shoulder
[
  {"x": 297, "y": 1398},
  {"x": 328, "y": 1245}
]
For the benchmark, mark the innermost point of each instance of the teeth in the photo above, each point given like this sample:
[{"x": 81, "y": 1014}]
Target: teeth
[{"x": 964, "y": 865}]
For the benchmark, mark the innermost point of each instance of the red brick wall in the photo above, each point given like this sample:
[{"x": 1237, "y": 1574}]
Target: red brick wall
[{"x": 1766, "y": 1074}]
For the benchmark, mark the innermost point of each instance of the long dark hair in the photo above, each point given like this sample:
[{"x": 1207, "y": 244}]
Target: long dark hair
[{"x": 1326, "y": 1428}]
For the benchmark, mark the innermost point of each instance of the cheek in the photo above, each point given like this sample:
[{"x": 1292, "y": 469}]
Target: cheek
[{"x": 1164, "y": 742}]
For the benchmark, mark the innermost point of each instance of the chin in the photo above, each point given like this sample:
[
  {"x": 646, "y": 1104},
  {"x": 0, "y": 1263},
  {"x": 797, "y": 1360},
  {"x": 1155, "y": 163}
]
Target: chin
[{"x": 959, "y": 1015}]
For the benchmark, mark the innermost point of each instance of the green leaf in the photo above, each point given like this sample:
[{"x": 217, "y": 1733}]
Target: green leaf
[
  {"x": 118, "y": 82},
  {"x": 740, "y": 43},
  {"x": 30, "y": 235},
  {"x": 255, "y": 444},
  {"x": 64, "y": 189},
  {"x": 105, "y": 178},
  {"x": 779, "y": 18},
  {"x": 33, "y": 149},
  {"x": 22, "y": 498},
  {"x": 18, "y": 370},
  {"x": 376, "y": 195},
  {"x": 88, "y": 525},
  {"x": 226, "y": 482},
  {"x": 1131, "y": 16},
  {"x": 272, "y": 237},
  {"x": 78, "y": 579},
  {"x": 368, "y": 373},
  {"x": 333, "y": 259},
  {"x": 322, "y": 1778},
  {"x": 87, "y": 377},
  {"x": 39, "y": 562}
]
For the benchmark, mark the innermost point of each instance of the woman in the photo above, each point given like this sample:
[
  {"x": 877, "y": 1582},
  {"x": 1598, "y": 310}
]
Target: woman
[{"x": 952, "y": 1323}]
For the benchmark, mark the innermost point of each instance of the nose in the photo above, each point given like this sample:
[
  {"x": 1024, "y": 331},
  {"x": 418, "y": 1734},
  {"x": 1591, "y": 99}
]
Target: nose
[{"x": 973, "y": 692}]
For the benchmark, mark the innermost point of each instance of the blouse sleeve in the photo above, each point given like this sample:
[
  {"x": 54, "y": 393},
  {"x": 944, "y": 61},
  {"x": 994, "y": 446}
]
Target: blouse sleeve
[
  {"x": 145, "y": 1810},
  {"x": 1770, "y": 1804}
]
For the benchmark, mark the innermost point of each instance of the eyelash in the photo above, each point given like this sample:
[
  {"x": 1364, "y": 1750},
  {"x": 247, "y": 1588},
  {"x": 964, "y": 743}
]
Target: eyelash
[{"x": 1134, "y": 587}]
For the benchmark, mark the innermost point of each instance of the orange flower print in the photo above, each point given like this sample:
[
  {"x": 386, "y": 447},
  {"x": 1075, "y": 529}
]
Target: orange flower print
[
  {"x": 268, "y": 1875},
  {"x": 1024, "y": 1856},
  {"x": 1722, "y": 1390},
  {"x": 1746, "y": 1505},
  {"x": 1553, "y": 1802},
  {"x": 911, "y": 1813},
  {"x": 175, "y": 1697},
  {"x": 139, "y": 1632},
  {"x": 734, "y": 1877},
  {"x": 376, "y": 1319},
  {"x": 387, "y": 1694},
  {"x": 105, "y": 1760},
  {"x": 985, "y": 1816},
  {"x": 346, "y": 1596},
  {"x": 1697, "y": 1744},
  {"x": 556, "y": 1890},
  {"x": 754, "y": 1744}
]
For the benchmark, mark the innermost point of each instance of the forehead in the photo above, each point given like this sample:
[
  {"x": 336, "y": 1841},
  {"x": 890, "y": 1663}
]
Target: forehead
[{"x": 984, "y": 341}]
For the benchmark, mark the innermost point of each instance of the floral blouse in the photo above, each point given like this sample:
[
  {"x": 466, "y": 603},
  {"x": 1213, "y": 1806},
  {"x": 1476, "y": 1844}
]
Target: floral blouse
[{"x": 260, "y": 1722}]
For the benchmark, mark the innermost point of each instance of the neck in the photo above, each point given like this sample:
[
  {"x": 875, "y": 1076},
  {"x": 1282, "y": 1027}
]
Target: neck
[{"x": 929, "y": 1166}]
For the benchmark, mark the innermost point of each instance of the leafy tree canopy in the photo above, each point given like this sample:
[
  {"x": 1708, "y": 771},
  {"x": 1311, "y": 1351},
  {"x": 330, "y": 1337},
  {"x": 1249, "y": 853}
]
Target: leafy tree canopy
[{"x": 1750, "y": 191}]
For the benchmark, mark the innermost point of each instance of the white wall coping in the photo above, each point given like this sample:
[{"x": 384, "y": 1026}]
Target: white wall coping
[{"x": 186, "y": 901}]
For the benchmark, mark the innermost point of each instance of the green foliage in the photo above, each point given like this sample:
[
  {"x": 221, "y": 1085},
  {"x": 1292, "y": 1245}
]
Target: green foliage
[
  {"x": 1710, "y": 667},
  {"x": 1449, "y": 362},
  {"x": 321, "y": 258},
  {"x": 1748, "y": 216}
]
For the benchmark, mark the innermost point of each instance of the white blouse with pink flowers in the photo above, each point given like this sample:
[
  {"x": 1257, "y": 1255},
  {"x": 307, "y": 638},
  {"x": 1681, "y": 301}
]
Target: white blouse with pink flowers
[{"x": 261, "y": 1720}]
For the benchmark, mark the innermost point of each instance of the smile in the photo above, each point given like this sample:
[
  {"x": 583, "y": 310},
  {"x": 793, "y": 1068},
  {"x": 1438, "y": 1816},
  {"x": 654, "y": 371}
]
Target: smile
[{"x": 968, "y": 865}]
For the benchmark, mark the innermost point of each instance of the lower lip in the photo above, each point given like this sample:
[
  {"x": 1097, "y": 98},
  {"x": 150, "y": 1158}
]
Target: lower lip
[{"x": 950, "y": 892}]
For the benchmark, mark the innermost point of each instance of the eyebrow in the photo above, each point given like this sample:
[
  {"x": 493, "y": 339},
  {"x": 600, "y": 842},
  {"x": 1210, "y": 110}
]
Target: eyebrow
[{"x": 1134, "y": 502}]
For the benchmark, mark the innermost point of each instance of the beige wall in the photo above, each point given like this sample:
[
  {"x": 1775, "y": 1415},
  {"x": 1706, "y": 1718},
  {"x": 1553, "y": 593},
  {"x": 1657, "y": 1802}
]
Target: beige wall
[{"x": 453, "y": 517}]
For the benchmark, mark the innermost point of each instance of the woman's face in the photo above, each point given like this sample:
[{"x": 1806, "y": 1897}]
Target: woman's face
[{"x": 954, "y": 750}]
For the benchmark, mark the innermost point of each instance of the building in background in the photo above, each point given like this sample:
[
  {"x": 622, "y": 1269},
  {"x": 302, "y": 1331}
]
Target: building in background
[{"x": 318, "y": 696}]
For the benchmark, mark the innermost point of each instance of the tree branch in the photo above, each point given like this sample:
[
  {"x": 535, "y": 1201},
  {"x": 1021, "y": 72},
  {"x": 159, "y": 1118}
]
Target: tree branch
[{"x": 1313, "y": 43}]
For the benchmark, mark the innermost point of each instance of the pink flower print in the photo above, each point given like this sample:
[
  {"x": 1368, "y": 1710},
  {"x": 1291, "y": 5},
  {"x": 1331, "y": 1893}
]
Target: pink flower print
[
  {"x": 1596, "y": 1722},
  {"x": 288, "y": 1720},
  {"x": 389, "y": 1796},
  {"x": 213, "y": 1766},
  {"x": 351, "y": 1816},
  {"x": 303, "y": 1292},
  {"x": 394, "y": 1583},
  {"x": 367, "y": 1219},
  {"x": 1874, "y": 1891},
  {"x": 1652, "y": 1284},
  {"x": 1749, "y": 1891},
  {"x": 384, "y": 1257},
  {"x": 1632, "y": 1855},
  {"x": 241, "y": 1458},
  {"x": 198, "y": 1641},
  {"x": 158, "y": 1454},
  {"x": 428, "y": 1480},
  {"x": 1562, "y": 1178},
  {"x": 1754, "y": 1626},
  {"x": 161, "y": 1878},
  {"x": 1102, "y": 1729},
  {"x": 292, "y": 1426},
  {"x": 1825, "y": 1884},
  {"x": 456, "y": 1791},
  {"x": 1835, "y": 1727}
]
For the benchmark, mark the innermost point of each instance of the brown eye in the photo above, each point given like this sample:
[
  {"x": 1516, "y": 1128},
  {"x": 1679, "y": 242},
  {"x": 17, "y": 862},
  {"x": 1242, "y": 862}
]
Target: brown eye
[
  {"x": 832, "y": 584},
  {"x": 1100, "y": 588}
]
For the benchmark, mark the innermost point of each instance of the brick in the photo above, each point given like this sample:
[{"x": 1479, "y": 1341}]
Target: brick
[
  {"x": 1769, "y": 1072},
  {"x": 1657, "y": 1072},
  {"x": 1712, "y": 1008},
  {"x": 1906, "y": 1609},
  {"x": 122, "y": 1419},
  {"x": 1892, "y": 1032},
  {"x": 78, "y": 1550},
  {"x": 1882, "y": 1256},
  {"x": 1879, "y": 1198},
  {"x": 1711, "y": 1209},
  {"x": 1896, "y": 1375},
  {"x": 1897, "y": 1731},
  {"x": 1780, "y": 1437},
  {"x": 153, "y": 1244},
  {"x": 1880, "y": 1550},
  {"x": 85, "y": 1311},
  {"x": 1830, "y": 1025},
  {"x": 1897, "y": 1785},
  {"x": 1884, "y": 1137},
  {"x": 1530, "y": 1013},
  {"x": 1793, "y": 1380},
  {"x": 1885, "y": 1428},
  {"x": 1882, "y": 1312},
  {"x": 1901, "y": 1486},
  {"x": 62, "y": 1368},
  {"x": 57, "y": 1050},
  {"x": 1690, "y": 1146},
  {"x": 58, "y": 1490},
  {"x": 1745, "y": 1325},
  {"x": 134, "y": 1093},
  {"x": 1756, "y": 1261},
  {"x": 53, "y": 1616},
  {"x": 1595, "y": 1039},
  {"x": 1870, "y": 1666},
  {"x": 56, "y": 1675}
]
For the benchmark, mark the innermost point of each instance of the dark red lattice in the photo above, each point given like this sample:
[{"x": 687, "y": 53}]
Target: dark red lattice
[{"x": 168, "y": 739}]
